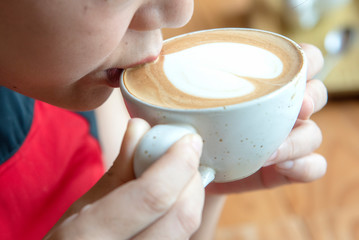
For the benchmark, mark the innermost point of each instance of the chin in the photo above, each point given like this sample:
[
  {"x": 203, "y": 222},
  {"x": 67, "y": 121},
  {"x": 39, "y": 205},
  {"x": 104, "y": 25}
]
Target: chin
[{"x": 85, "y": 102}]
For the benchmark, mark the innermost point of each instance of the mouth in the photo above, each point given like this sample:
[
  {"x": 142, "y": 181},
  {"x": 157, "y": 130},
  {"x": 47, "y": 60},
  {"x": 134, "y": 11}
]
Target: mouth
[{"x": 113, "y": 76}]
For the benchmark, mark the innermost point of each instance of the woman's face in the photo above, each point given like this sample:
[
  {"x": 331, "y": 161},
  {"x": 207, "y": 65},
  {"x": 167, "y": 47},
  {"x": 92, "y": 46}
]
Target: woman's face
[{"x": 70, "y": 53}]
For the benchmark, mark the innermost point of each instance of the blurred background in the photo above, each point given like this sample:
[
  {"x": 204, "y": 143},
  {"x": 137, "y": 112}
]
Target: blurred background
[{"x": 327, "y": 209}]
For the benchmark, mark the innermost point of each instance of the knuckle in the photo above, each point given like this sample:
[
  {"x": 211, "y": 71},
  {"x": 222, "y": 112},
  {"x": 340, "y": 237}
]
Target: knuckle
[{"x": 157, "y": 198}]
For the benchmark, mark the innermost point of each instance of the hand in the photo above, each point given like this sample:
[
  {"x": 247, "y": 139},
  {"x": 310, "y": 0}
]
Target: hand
[
  {"x": 166, "y": 201},
  {"x": 294, "y": 161}
]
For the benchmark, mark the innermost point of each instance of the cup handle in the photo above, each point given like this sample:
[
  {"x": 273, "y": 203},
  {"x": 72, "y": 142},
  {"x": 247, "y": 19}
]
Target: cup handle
[{"x": 157, "y": 141}]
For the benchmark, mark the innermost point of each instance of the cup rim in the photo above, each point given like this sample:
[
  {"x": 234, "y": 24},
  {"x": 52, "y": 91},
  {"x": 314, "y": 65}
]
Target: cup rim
[{"x": 247, "y": 103}]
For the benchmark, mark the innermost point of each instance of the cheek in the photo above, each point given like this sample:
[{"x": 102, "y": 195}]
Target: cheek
[
  {"x": 81, "y": 51},
  {"x": 60, "y": 44},
  {"x": 86, "y": 40}
]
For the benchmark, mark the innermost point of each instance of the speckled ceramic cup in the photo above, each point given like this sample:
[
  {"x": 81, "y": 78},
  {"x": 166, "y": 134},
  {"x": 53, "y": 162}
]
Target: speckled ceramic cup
[{"x": 237, "y": 138}]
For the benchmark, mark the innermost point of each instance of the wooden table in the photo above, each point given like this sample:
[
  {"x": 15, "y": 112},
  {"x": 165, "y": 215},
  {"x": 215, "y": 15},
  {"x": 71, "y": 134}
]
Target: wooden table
[{"x": 327, "y": 209}]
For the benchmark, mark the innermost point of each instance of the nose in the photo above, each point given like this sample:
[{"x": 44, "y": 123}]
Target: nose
[{"x": 156, "y": 14}]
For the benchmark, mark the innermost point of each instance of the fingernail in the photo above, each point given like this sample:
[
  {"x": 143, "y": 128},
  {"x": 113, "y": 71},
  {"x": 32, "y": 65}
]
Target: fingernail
[
  {"x": 285, "y": 165},
  {"x": 270, "y": 160},
  {"x": 197, "y": 143}
]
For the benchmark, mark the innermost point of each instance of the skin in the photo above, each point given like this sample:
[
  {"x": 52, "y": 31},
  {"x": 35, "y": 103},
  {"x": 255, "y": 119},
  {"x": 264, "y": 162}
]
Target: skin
[
  {"x": 62, "y": 51},
  {"x": 58, "y": 51}
]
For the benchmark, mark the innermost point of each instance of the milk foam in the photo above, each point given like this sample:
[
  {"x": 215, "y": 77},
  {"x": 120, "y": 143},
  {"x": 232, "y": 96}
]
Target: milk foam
[{"x": 218, "y": 70}]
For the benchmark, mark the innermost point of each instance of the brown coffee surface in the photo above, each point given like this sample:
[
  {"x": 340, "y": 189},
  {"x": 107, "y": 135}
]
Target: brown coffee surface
[{"x": 149, "y": 83}]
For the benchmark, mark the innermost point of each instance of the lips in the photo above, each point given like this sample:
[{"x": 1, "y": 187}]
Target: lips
[{"x": 113, "y": 76}]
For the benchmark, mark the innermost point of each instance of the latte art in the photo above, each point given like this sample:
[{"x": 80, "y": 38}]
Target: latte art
[
  {"x": 219, "y": 70},
  {"x": 214, "y": 69}
]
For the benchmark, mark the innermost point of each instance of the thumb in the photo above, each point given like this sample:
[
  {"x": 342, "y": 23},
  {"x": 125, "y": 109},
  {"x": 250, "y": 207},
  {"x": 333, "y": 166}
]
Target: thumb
[{"x": 121, "y": 170}]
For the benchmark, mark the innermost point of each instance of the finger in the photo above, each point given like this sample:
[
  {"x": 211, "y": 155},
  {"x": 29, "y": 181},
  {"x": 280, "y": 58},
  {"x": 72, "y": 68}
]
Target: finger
[
  {"x": 307, "y": 108},
  {"x": 303, "y": 140},
  {"x": 183, "y": 219},
  {"x": 315, "y": 59},
  {"x": 137, "y": 204},
  {"x": 122, "y": 169},
  {"x": 317, "y": 91},
  {"x": 315, "y": 98},
  {"x": 305, "y": 169},
  {"x": 123, "y": 166},
  {"x": 119, "y": 173}
]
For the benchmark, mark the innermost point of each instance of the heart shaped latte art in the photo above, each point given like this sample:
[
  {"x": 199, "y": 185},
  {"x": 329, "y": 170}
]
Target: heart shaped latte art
[{"x": 221, "y": 70}]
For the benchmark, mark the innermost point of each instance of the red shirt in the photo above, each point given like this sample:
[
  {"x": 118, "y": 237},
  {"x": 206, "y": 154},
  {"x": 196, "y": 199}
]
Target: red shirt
[{"x": 57, "y": 162}]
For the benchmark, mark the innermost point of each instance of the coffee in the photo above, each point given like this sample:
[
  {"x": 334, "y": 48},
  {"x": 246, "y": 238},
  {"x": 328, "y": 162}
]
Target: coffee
[
  {"x": 215, "y": 68},
  {"x": 196, "y": 83}
]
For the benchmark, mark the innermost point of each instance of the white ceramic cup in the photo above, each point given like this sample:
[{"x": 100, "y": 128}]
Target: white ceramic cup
[{"x": 237, "y": 139}]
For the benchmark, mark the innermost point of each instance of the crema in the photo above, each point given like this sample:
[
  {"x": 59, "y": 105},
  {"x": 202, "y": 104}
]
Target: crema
[{"x": 215, "y": 69}]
